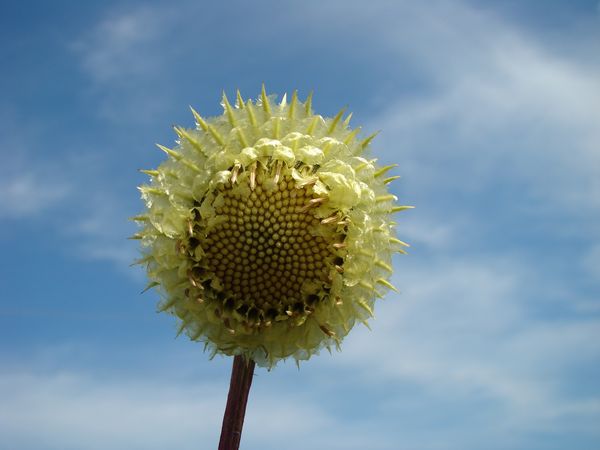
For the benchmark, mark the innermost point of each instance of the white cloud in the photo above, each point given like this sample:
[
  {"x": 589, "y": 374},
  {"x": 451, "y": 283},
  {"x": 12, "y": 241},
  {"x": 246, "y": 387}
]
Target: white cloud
[
  {"x": 102, "y": 231},
  {"x": 29, "y": 194},
  {"x": 591, "y": 261},
  {"x": 64, "y": 191},
  {"x": 74, "y": 410},
  {"x": 118, "y": 46},
  {"x": 465, "y": 329},
  {"x": 426, "y": 232},
  {"x": 502, "y": 109},
  {"x": 126, "y": 57},
  {"x": 28, "y": 186}
]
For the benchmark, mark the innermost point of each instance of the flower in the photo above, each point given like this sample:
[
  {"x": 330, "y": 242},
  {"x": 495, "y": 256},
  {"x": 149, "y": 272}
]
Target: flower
[{"x": 268, "y": 232}]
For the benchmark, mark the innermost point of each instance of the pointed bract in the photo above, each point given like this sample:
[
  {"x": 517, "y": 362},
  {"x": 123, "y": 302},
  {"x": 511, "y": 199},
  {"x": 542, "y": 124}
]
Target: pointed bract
[
  {"x": 293, "y": 105},
  {"x": 199, "y": 120},
  {"x": 384, "y": 170},
  {"x": 364, "y": 144},
  {"x": 228, "y": 110},
  {"x": 183, "y": 134},
  {"x": 308, "y": 104},
  {"x": 335, "y": 120},
  {"x": 239, "y": 102},
  {"x": 266, "y": 105}
]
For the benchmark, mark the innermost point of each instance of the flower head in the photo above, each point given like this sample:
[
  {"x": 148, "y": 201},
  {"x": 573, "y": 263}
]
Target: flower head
[{"x": 267, "y": 231}]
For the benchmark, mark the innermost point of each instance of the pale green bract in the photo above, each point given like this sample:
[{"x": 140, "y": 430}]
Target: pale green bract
[{"x": 268, "y": 231}]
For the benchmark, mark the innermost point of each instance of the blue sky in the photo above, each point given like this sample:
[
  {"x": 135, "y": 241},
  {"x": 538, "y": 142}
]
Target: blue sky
[{"x": 491, "y": 110}]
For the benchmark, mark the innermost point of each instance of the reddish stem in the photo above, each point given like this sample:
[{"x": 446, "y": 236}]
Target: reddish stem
[{"x": 233, "y": 419}]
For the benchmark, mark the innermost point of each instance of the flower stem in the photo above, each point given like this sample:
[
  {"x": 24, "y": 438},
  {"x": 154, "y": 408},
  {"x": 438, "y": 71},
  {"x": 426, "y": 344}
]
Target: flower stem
[{"x": 233, "y": 419}]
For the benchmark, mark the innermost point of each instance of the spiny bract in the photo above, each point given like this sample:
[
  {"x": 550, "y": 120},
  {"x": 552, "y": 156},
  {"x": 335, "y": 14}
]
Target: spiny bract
[{"x": 267, "y": 231}]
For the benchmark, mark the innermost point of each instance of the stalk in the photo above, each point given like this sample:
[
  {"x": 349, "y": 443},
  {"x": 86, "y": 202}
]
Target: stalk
[{"x": 233, "y": 419}]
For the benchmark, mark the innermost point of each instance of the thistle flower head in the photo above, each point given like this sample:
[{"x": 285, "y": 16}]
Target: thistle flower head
[{"x": 268, "y": 231}]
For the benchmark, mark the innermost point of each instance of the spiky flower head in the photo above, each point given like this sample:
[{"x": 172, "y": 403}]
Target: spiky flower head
[{"x": 268, "y": 231}]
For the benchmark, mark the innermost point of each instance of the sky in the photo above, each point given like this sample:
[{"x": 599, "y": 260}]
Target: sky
[{"x": 491, "y": 111}]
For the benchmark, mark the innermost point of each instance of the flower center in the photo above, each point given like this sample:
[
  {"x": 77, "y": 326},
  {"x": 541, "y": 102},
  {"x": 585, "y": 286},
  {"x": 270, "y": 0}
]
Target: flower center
[{"x": 269, "y": 257}]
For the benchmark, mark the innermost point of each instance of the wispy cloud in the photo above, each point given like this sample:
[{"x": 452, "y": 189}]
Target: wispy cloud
[
  {"x": 101, "y": 232},
  {"x": 28, "y": 186},
  {"x": 125, "y": 58},
  {"x": 68, "y": 410},
  {"x": 501, "y": 106},
  {"x": 591, "y": 261},
  {"x": 533, "y": 123},
  {"x": 75, "y": 410},
  {"x": 71, "y": 193},
  {"x": 121, "y": 45},
  {"x": 28, "y": 194},
  {"x": 467, "y": 328}
]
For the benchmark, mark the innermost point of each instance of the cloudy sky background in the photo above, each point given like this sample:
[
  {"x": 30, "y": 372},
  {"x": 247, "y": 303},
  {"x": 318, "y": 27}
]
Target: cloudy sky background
[{"x": 491, "y": 110}]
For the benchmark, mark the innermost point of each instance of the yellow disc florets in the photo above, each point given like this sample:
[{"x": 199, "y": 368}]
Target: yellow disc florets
[{"x": 268, "y": 231}]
